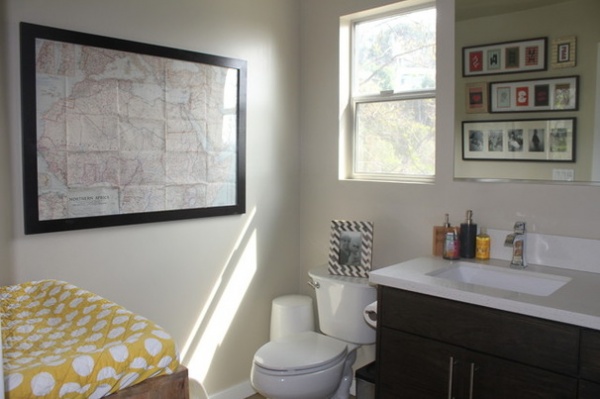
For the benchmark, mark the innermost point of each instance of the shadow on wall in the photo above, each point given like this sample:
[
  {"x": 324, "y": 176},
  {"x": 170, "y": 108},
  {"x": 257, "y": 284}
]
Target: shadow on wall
[
  {"x": 6, "y": 214},
  {"x": 214, "y": 320}
]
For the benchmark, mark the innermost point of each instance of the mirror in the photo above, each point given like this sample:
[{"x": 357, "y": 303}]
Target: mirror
[{"x": 480, "y": 23}]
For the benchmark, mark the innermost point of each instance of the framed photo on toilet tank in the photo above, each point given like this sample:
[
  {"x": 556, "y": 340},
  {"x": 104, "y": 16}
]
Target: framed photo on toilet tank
[{"x": 350, "y": 248}]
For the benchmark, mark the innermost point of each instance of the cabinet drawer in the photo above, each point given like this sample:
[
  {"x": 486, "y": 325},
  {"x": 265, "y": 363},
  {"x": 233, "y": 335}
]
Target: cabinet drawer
[
  {"x": 546, "y": 344},
  {"x": 590, "y": 355}
]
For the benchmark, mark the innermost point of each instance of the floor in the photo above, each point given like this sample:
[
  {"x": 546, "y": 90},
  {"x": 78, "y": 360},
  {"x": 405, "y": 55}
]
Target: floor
[{"x": 257, "y": 396}]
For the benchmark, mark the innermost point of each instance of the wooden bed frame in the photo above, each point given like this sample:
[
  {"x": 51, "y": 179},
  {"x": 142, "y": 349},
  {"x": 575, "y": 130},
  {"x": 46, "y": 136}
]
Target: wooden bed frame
[{"x": 172, "y": 386}]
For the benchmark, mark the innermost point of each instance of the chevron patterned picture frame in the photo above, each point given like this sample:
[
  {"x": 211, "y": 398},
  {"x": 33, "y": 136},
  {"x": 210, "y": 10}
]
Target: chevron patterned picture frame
[{"x": 350, "y": 248}]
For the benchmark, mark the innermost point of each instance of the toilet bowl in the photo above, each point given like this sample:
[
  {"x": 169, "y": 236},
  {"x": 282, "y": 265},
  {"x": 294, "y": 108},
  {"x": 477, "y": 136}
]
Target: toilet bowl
[
  {"x": 305, "y": 365},
  {"x": 300, "y": 363}
]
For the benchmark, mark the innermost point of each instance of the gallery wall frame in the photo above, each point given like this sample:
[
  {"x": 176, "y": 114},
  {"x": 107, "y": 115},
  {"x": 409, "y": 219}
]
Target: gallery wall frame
[
  {"x": 526, "y": 55},
  {"x": 116, "y": 132},
  {"x": 476, "y": 98},
  {"x": 537, "y": 140},
  {"x": 350, "y": 248},
  {"x": 564, "y": 52},
  {"x": 551, "y": 94}
]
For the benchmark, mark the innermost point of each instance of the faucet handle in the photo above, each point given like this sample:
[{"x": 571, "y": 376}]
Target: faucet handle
[{"x": 519, "y": 227}]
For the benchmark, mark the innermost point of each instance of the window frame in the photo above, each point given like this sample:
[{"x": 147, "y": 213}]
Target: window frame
[{"x": 348, "y": 133}]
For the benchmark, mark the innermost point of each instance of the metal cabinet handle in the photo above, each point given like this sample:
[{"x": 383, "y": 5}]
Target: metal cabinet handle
[
  {"x": 314, "y": 284},
  {"x": 472, "y": 380},
  {"x": 450, "y": 377}
]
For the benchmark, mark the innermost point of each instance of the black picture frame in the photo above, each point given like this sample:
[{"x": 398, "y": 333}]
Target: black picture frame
[
  {"x": 556, "y": 94},
  {"x": 528, "y": 55},
  {"x": 172, "y": 148},
  {"x": 535, "y": 140}
]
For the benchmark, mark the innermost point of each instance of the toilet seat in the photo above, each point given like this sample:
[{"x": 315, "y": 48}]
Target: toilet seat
[{"x": 305, "y": 352}]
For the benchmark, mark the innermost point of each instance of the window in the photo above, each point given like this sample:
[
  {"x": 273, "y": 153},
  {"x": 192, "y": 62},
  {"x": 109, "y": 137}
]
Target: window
[{"x": 392, "y": 95}]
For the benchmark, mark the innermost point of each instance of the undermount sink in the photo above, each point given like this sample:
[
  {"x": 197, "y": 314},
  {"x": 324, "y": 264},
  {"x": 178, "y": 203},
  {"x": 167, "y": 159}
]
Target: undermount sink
[{"x": 533, "y": 283}]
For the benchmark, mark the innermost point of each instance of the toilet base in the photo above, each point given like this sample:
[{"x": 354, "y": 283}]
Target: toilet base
[
  {"x": 318, "y": 385},
  {"x": 343, "y": 391}
]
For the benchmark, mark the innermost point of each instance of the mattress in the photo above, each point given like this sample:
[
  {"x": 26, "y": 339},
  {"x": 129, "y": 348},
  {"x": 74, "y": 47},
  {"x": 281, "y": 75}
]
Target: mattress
[{"x": 60, "y": 341}]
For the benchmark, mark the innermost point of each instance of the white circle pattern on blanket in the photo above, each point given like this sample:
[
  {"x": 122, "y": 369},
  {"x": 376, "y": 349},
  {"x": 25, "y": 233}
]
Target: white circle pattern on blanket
[
  {"x": 14, "y": 380},
  {"x": 71, "y": 343},
  {"x": 83, "y": 365},
  {"x": 42, "y": 384}
]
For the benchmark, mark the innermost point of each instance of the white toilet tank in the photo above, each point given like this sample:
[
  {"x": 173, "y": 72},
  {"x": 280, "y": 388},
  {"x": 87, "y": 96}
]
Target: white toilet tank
[
  {"x": 340, "y": 304},
  {"x": 291, "y": 314}
]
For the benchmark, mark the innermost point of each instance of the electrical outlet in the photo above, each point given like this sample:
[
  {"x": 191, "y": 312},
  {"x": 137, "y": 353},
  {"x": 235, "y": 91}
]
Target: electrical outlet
[{"x": 563, "y": 174}]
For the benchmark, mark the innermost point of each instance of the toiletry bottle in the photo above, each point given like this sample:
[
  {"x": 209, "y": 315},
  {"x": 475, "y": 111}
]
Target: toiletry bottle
[
  {"x": 482, "y": 245},
  {"x": 439, "y": 236},
  {"x": 452, "y": 244},
  {"x": 468, "y": 232}
]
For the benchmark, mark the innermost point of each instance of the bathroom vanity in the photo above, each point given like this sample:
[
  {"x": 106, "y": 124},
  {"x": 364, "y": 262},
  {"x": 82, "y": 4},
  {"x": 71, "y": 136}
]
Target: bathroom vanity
[{"x": 441, "y": 336}]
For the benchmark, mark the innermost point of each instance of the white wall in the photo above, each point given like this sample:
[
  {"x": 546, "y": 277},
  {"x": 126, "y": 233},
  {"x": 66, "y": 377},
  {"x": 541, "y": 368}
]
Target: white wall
[
  {"x": 554, "y": 21},
  {"x": 403, "y": 214},
  {"x": 5, "y": 196},
  {"x": 208, "y": 281},
  {"x": 169, "y": 271}
]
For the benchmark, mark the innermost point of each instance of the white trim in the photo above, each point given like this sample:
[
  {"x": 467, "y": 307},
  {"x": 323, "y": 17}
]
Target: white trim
[
  {"x": 596, "y": 158},
  {"x": 242, "y": 390},
  {"x": 348, "y": 102},
  {"x": 245, "y": 390}
]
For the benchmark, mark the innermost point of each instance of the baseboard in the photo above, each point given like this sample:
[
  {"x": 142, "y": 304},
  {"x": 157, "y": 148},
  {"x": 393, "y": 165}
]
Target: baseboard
[
  {"x": 245, "y": 390},
  {"x": 238, "y": 391}
]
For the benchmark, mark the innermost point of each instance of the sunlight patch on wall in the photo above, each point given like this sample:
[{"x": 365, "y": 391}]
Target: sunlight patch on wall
[{"x": 224, "y": 301}]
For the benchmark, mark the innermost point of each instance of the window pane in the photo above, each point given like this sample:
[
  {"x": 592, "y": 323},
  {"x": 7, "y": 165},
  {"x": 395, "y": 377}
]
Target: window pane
[
  {"x": 395, "y": 137},
  {"x": 395, "y": 53}
]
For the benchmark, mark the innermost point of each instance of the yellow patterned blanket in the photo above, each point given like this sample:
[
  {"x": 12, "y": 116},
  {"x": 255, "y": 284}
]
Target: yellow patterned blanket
[{"x": 60, "y": 341}]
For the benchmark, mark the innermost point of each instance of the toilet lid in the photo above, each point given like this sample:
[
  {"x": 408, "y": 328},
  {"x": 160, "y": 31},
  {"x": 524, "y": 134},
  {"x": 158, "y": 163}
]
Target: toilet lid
[{"x": 300, "y": 351}]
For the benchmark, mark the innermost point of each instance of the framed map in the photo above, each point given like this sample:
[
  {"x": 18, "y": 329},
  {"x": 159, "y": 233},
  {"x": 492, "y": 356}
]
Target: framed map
[{"x": 118, "y": 132}]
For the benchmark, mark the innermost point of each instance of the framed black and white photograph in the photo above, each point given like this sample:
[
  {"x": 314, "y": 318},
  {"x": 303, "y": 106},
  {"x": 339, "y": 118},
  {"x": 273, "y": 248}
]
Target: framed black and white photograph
[
  {"x": 541, "y": 140},
  {"x": 117, "y": 132},
  {"x": 527, "y": 55},
  {"x": 350, "y": 247},
  {"x": 552, "y": 94}
]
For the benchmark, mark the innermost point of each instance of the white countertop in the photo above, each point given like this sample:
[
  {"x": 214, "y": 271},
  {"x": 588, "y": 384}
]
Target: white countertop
[{"x": 577, "y": 302}]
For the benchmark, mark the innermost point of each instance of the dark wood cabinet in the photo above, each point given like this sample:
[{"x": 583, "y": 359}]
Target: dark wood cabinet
[
  {"x": 430, "y": 347},
  {"x": 589, "y": 387},
  {"x": 588, "y": 390}
]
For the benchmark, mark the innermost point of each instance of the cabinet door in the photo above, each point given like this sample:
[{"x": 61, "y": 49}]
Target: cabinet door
[
  {"x": 416, "y": 368},
  {"x": 590, "y": 355},
  {"x": 419, "y": 368},
  {"x": 588, "y": 390},
  {"x": 494, "y": 378}
]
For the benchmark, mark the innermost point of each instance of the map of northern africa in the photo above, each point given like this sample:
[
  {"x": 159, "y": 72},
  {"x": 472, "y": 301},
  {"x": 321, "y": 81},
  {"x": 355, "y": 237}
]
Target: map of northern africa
[{"x": 121, "y": 132}]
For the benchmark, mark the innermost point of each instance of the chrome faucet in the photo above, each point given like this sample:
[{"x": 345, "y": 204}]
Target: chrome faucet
[{"x": 517, "y": 241}]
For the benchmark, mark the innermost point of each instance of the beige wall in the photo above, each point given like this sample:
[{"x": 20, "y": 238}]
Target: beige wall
[
  {"x": 208, "y": 281},
  {"x": 171, "y": 272},
  {"x": 404, "y": 214},
  {"x": 578, "y": 18},
  {"x": 5, "y": 192}
]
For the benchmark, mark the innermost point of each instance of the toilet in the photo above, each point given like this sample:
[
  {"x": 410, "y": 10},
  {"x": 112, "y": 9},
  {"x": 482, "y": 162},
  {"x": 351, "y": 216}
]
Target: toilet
[{"x": 300, "y": 363}]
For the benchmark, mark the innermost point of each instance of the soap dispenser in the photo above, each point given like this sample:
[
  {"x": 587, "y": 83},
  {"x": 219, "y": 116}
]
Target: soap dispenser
[
  {"x": 468, "y": 234},
  {"x": 452, "y": 244}
]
